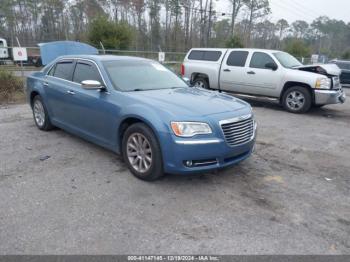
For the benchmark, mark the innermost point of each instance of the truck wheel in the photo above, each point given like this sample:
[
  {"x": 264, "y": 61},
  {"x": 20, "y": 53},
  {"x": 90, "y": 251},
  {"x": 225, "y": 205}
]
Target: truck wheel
[
  {"x": 201, "y": 82},
  {"x": 297, "y": 100},
  {"x": 141, "y": 152}
]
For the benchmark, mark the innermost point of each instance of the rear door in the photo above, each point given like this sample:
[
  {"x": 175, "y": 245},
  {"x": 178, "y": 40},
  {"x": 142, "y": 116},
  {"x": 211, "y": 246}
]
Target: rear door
[
  {"x": 58, "y": 85},
  {"x": 259, "y": 79},
  {"x": 232, "y": 75}
]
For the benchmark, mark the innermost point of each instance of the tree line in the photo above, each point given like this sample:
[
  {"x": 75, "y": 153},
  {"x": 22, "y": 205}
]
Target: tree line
[{"x": 169, "y": 25}]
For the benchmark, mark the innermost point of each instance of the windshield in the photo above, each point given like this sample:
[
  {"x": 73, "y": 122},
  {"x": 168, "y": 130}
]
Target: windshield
[
  {"x": 141, "y": 75},
  {"x": 287, "y": 60}
]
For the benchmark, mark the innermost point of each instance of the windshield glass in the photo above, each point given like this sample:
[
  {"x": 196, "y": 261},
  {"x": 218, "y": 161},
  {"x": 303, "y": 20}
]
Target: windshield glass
[
  {"x": 287, "y": 60},
  {"x": 141, "y": 75}
]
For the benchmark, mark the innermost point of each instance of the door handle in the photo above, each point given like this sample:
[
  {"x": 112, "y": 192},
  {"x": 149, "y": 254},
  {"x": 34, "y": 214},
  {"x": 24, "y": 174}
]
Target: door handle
[
  {"x": 70, "y": 92},
  {"x": 46, "y": 84},
  {"x": 251, "y": 73},
  {"x": 227, "y": 70}
]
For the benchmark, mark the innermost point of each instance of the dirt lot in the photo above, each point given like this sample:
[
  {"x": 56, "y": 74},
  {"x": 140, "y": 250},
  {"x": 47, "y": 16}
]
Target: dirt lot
[{"x": 62, "y": 195}]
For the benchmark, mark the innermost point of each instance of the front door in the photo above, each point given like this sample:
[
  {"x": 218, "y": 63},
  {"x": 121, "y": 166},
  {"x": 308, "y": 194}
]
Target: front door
[
  {"x": 92, "y": 112},
  {"x": 260, "y": 78}
]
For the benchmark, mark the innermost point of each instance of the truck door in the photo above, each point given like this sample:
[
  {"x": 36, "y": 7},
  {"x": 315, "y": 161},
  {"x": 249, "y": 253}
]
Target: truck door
[
  {"x": 262, "y": 76},
  {"x": 232, "y": 72}
]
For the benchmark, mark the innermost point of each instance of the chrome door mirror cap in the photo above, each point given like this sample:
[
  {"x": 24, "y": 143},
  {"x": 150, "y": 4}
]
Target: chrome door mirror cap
[{"x": 91, "y": 85}]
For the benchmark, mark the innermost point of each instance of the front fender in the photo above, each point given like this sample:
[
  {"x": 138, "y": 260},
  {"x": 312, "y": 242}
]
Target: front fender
[{"x": 156, "y": 120}]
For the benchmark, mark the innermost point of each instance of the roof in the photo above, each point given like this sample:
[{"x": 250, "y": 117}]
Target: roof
[
  {"x": 103, "y": 57},
  {"x": 240, "y": 49}
]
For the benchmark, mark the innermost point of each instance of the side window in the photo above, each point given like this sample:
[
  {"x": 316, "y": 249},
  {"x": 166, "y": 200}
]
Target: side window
[
  {"x": 259, "y": 60},
  {"x": 237, "y": 58},
  {"x": 64, "y": 70},
  {"x": 195, "y": 55},
  {"x": 211, "y": 56},
  {"x": 52, "y": 71},
  {"x": 204, "y": 55},
  {"x": 86, "y": 71}
]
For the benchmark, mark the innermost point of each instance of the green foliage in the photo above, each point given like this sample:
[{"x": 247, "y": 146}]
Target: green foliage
[
  {"x": 9, "y": 85},
  {"x": 298, "y": 48},
  {"x": 346, "y": 55},
  {"x": 112, "y": 35},
  {"x": 234, "y": 42}
]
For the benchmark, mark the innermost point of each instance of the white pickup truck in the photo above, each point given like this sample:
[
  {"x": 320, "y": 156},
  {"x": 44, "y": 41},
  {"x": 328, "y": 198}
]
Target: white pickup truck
[{"x": 266, "y": 73}]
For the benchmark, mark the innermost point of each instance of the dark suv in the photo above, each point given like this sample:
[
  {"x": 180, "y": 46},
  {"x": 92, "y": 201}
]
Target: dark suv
[{"x": 345, "y": 69}]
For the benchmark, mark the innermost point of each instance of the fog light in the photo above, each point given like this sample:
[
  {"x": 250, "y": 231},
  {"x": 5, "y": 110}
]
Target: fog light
[{"x": 188, "y": 163}]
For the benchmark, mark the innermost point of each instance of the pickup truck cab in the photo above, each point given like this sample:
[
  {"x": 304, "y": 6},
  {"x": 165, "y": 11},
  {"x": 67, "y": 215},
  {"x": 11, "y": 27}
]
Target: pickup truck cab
[{"x": 267, "y": 73}]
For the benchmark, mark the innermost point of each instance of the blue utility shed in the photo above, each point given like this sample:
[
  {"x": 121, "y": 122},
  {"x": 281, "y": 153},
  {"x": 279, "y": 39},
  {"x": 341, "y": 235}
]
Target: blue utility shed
[{"x": 50, "y": 51}]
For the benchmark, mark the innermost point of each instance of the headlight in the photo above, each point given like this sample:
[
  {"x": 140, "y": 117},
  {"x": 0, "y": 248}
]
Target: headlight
[
  {"x": 323, "y": 83},
  {"x": 189, "y": 129}
]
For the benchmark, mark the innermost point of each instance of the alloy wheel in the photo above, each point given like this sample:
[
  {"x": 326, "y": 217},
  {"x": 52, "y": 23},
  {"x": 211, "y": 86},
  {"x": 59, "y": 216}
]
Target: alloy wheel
[
  {"x": 39, "y": 113},
  {"x": 295, "y": 100},
  {"x": 199, "y": 84},
  {"x": 139, "y": 152}
]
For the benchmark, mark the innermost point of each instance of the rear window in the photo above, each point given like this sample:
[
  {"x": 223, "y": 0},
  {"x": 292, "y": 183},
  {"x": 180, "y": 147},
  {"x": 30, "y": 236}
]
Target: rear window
[
  {"x": 64, "y": 70},
  {"x": 237, "y": 58},
  {"x": 204, "y": 55}
]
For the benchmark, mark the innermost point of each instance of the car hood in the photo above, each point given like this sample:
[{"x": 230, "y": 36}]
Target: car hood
[
  {"x": 190, "y": 101},
  {"x": 324, "y": 69}
]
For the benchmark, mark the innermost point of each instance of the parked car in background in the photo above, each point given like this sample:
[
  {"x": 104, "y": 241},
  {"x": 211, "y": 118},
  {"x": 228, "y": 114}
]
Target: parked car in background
[
  {"x": 267, "y": 73},
  {"x": 344, "y": 65},
  {"x": 142, "y": 110}
]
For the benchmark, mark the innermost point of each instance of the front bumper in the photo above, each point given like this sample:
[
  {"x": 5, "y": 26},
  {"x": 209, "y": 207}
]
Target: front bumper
[
  {"x": 326, "y": 97},
  {"x": 205, "y": 154}
]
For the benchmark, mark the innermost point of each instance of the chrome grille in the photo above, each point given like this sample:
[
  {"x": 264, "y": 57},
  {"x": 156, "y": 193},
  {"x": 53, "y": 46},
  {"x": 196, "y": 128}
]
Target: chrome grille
[{"x": 239, "y": 130}]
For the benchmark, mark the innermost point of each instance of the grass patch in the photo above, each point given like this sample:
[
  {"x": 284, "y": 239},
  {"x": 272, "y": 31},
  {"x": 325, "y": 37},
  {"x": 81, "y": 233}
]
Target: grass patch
[{"x": 11, "y": 88}]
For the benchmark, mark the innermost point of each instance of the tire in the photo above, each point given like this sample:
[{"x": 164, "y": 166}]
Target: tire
[
  {"x": 136, "y": 135},
  {"x": 40, "y": 114},
  {"x": 297, "y": 100},
  {"x": 201, "y": 82}
]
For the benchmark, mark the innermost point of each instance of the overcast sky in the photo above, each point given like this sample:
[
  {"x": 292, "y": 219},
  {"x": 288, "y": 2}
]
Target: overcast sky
[{"x": 307, "y": 10}]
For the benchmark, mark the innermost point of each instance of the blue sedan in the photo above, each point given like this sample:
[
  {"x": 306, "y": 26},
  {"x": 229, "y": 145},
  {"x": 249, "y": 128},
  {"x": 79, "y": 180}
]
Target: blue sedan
[{"x": 138, "y": 108}]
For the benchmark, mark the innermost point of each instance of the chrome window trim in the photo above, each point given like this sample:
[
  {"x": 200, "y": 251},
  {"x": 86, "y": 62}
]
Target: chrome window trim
[{"x": 76, "y": 59}]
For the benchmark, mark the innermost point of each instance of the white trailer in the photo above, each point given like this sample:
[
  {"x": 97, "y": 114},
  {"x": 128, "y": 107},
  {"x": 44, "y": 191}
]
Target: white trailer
[{"x": 4, "y": 53}]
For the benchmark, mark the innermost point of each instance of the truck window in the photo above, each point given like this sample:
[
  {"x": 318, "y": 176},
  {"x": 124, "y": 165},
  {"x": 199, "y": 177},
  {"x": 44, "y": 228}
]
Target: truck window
[
  {"x": 212, "y": 56},
  {"x": 64, "y": 70},
  {"x": 259, "y": 60},
  {"x": 237, "y": 58},
  {"x": 1, "y": 43},
  {"x": 86, "y": 71}
]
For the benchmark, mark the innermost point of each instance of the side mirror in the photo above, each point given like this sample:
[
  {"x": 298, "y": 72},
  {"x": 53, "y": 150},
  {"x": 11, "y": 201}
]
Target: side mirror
[
  {"x": 187, "y": 81},
  {"x": 91, "y": 85},
  {"x": 271, "y": 66}
]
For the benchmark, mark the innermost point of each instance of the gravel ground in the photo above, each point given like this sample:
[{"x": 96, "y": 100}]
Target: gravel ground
[{"x": 62, "y": 195}]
